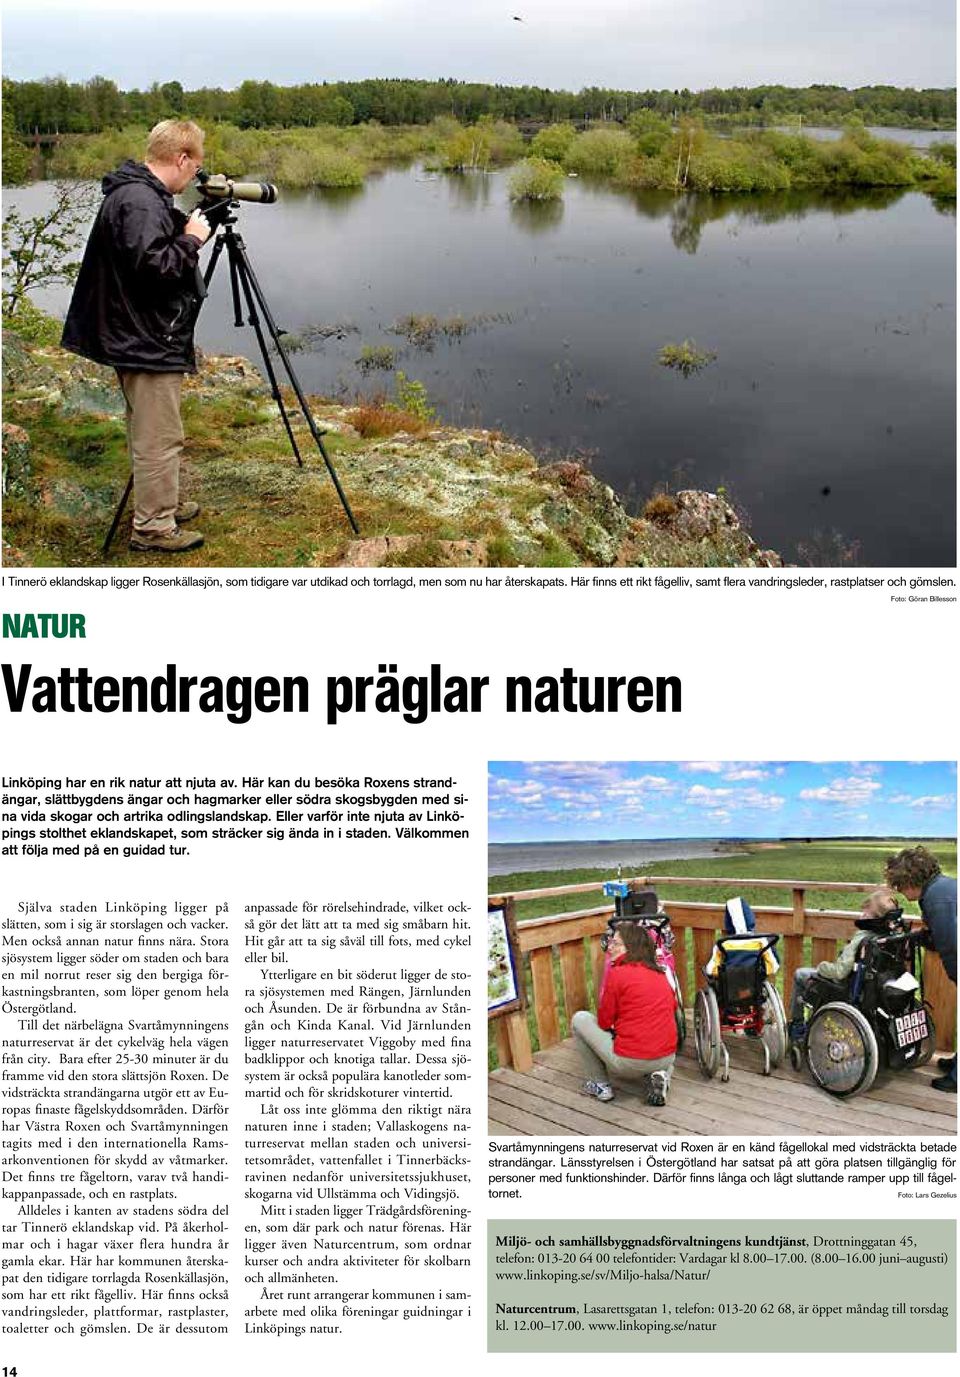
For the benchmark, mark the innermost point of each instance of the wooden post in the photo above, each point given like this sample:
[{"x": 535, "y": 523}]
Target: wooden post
[
  {"x": 544, "y": 997},
  {"x": 504, "y": 1057},
  {"x": 799, "y": 910},
  {"x": 702, "y": 951},
  {"x": 599, "y": 958},
  {"x": 941, "y": 992},
  {"x": 792, "y": 961},
  {"x": 824, "y": 949},
  {"x": 574, "y": 976},
  {"x": 518, "y": 1035}
]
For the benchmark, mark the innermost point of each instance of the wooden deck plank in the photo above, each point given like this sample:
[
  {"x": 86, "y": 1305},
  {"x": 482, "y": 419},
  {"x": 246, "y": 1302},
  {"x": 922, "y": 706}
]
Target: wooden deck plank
[
  {"x": 906, "y": 1095},
  {"x": 816, "y": 1111},
  {"x": 744, "y": 1104},
  {"x": 517, "y": 1121},
  {"x": 559, "y": 1116},
  {"x": 547, "y": 1100},
  {"x": 683, "y": 1113},
  {"x": 498, "y": 1129},
  {"x": 701, "y": 1100}
]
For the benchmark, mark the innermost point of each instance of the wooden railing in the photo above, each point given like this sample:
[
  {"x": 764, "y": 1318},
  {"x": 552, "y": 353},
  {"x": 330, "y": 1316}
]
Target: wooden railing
[{"x": 575, "y": 938}]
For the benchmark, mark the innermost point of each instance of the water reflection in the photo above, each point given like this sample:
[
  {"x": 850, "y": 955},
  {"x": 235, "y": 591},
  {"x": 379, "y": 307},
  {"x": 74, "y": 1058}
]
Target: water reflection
[
  {"x": 338, "y": 201},
  {"x": 468, "y": 190},
  {"x": 536, "y": 217},
  {"x": 689, "y": 214}
]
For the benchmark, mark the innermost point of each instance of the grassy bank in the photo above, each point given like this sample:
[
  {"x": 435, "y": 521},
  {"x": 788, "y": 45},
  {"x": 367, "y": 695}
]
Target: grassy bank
[
  {"x": 648, "y": 152},
  {"x": 834, "y": 861}
]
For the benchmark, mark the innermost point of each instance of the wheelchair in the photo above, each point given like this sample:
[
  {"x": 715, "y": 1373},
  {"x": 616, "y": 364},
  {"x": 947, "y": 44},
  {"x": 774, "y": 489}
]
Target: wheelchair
[
  {"x": 643, "y": 907},
  {"x": 876, "y": 1019},
  {"x": 739, "y": 999}
]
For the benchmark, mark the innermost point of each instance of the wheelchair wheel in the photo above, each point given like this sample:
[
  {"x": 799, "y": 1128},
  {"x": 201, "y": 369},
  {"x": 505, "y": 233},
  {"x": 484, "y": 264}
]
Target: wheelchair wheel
[
  {"x": 681, "y": 1022},
  {"x": 842, "y": 1050},
  {"x": 706, "y": 1031},
  {"x": 774, "y": 1024},
  {"x": 796, "y": 1057}
]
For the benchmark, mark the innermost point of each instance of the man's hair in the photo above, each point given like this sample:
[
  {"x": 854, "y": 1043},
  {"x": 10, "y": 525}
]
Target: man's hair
[
  {"x": 914, "y": 867},
  {"x": 168, "y": 139}
]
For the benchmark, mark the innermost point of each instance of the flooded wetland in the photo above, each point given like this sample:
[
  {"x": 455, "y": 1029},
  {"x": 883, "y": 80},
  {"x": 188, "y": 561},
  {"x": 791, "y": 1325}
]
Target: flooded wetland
[
  {"x": 795, "y": 349},
  {"x": 827, "y": 411}
]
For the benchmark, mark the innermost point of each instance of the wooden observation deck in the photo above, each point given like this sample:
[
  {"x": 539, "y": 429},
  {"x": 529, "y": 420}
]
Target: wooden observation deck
[{"x": 536, "y": 1088}]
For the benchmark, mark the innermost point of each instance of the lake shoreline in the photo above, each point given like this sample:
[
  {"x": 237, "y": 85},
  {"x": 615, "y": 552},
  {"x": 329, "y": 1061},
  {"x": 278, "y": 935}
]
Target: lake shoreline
[{"x": 429, "y": 496}]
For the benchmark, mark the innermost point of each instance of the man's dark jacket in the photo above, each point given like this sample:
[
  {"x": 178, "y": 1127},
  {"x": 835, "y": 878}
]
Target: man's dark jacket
[
  {"x": 136, "y": 299},
  {"x": 938, "y": 905}
]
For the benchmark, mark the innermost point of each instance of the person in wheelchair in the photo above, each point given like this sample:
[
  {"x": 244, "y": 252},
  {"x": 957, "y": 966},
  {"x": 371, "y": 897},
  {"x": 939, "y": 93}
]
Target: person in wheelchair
[
  {"x": 740, "y": 996},
  {"x": 881, "y": 916},
  {"x": 915, "y": 872},
  {"x": 874, "y": 1018},
  {"x": 741, "y": 945}
]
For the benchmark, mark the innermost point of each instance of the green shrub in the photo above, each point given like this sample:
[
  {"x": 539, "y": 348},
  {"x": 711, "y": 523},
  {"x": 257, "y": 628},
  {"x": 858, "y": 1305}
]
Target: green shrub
[
  {"x": 237, "y": 152},
  {"x": 734, "y": 166},
  {"x": 650, "y": 132},
  {"x": 17, "y": 157},
  {"x": 599, "y": 152},
  {"x": 553, "y": 142},
  {"x": 317, "y": 166},
  {"x": 655, "y": 174},
  {"x": 91, "y": 155},
  {"x": 33, "y": 325},
  {"x": 943, "y": 153},
  {"x": 411, "y": 397},
  {"x": 536, "y": 179}
]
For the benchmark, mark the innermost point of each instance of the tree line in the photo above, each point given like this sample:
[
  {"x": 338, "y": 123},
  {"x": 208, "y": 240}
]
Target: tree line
[{"x": 54, "y": 105}]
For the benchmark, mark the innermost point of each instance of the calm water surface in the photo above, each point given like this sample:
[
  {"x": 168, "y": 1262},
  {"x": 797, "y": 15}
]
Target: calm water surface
[
  {"x": 506, "y": 858},
  {"x": 828, "y": 413}
]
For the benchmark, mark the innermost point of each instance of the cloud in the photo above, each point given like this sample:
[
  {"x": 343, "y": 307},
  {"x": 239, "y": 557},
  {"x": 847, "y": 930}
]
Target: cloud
[
  {"x": 933, "y": 802},
  {"x": 847, "y": 793},
  {"x": 754, "y": 799},
  {"x": 576, "y": 771},
  {"x": 703, "y": 797}
]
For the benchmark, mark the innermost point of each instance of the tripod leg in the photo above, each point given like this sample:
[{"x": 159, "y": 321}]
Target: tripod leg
[
  {"x": 214, "y": 257},
  {"x": 235, "y": 290},
  {"x": 239, "y": 279},
  {"x": 117, "y": 515},
  {"x": 251, "y": 283}
]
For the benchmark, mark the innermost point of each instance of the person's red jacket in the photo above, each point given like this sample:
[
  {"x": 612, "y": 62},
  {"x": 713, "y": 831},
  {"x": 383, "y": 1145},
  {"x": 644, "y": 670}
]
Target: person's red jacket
[{"x": 638, "y": 1005}]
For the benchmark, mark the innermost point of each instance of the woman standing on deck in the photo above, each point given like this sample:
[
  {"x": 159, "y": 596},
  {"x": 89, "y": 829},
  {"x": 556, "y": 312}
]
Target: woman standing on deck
[{"x": 634, "y": 1035}]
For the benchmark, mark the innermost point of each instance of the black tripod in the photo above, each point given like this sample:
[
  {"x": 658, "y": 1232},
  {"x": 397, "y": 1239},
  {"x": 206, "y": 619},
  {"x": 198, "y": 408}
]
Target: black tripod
[{"x": 243, "y": 280}]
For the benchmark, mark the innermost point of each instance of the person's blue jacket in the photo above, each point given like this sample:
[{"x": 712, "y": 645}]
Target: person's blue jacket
[{"x": 938, "y": 905}]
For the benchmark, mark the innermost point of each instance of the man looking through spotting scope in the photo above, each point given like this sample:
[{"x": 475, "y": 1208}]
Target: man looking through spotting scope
[{"x": 134, "y": 308}]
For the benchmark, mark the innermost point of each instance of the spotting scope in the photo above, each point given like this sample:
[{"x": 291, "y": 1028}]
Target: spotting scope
[{"x": 214, "y": 186}]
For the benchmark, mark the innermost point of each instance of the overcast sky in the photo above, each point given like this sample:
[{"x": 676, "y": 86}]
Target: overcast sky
[
  {"x": 592, "y": 800},
  {"x": 630, "y": 44}
]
